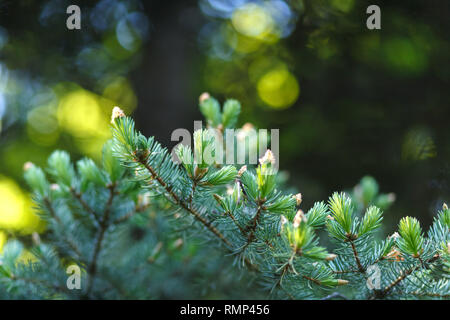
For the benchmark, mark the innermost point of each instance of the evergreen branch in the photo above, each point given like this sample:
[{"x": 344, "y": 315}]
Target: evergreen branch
[
  {"x": 403, "y": 276},
  {"x": 133, "y": 148},
  {"x": 312, "y": 280},
  {"x": 184, "y": 205},
  {"x": 259, "y": 224},
  {"x": 397, "y": 281}
]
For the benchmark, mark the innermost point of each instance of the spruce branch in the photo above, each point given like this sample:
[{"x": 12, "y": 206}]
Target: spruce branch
[
  {"x": 245, "y": 210},
  {"x": 134, "y": 149},
  {"x": 403, "y": 275},
  {"x": 386, "y": 290}
]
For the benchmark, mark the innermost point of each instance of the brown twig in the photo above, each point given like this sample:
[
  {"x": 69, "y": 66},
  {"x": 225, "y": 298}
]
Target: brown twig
[
  {"x": 191, "y": 196},
  {"x": 355, "y": 254},
  {"x": 253, "y": 224},
  {"x": 233, "y": 218},
  {"x": 388, "y": 288},
  {"x": 403, "y": 275},
  {"x": 251, "y": 228},
  {"x": 313, "y": 280}
]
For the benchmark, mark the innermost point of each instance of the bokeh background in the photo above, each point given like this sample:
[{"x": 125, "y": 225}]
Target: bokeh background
[{"x": 348, "y": 101}]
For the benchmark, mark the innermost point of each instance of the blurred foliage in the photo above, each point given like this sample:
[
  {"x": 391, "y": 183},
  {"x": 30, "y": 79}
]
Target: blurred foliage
[{"x": 57, "y": 87}]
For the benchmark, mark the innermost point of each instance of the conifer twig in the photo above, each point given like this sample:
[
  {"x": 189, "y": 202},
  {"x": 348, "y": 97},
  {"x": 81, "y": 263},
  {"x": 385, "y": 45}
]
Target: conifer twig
[
  {"x": 185, "y": 206},
  {"x": 355, "y": 254},
  {"x": 403, "y": 275},
  {"x": 252, "y": 227},
  {"x": 233, "y": 218},
  {"x": 389, "y": 287}
]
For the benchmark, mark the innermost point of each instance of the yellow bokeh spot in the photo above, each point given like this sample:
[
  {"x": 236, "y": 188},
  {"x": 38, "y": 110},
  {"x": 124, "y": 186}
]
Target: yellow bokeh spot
[
  {"x": 86, "y": 116},
  {"x": 252, "y": 20},
  {"x": 79, "y": 113},
  {"x": 15, "y": 208},
  {"x": 2, "y": 240},
  {"x": 278, "y": 88},
  {"x": 120, "y": 91}
]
